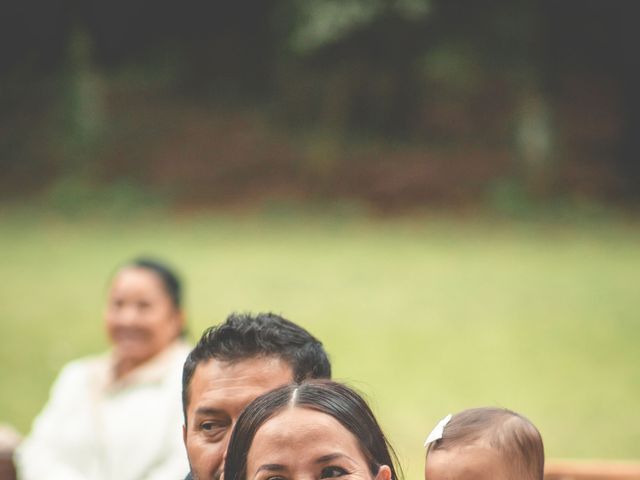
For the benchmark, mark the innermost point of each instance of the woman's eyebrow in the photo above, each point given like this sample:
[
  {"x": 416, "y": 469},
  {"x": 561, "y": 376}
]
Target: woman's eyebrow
[
  {"x": 270, "y": 467},
  {"x": 332, "y": 456}
]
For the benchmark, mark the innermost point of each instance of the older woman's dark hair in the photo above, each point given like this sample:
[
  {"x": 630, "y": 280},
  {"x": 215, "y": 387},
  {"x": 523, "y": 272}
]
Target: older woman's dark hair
[
  {"x": 167, "y": 276},
  {"x": 331, "y": 398}
]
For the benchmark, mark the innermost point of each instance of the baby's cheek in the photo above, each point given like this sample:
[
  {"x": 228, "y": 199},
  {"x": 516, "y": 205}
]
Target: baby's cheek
[{"x": 430, "y": 472}]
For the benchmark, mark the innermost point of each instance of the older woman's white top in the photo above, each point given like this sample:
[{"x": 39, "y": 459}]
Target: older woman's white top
[{"x": 95, "y": 427}]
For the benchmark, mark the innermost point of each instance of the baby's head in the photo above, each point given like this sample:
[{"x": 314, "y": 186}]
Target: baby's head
[{"x": 485, "y": 444}]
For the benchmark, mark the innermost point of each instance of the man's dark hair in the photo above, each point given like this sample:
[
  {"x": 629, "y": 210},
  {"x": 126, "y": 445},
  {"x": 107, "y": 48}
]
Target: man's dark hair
[{"x": 244, "y": 336}]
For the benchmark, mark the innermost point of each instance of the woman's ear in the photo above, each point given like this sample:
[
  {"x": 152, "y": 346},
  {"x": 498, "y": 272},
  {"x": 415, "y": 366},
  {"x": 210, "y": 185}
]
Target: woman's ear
[{"x": 384, "y": 473}]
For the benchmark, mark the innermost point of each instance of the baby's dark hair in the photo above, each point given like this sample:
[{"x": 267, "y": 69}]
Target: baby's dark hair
[{"x": 507, "y": 432}]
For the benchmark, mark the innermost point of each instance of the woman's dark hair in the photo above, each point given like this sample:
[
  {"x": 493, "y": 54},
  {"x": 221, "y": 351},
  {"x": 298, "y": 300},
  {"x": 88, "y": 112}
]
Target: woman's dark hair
[
  {"x": 168, "y": 277},
  {"x": 331, "y": 398}
]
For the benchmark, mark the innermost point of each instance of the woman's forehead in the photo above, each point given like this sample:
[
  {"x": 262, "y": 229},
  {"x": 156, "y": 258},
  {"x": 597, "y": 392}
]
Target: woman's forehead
[
  {"x": 131, "y": 278},
  {"x": 302, "y": 442},
  {"x": 296, "y": 426},
  {"x": 300, "y": 421}
]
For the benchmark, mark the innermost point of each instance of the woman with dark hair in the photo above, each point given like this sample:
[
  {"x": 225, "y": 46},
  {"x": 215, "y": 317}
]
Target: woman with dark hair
[
  {"x": 317, "y": 429},
  {"x": 117, "y": 415}
]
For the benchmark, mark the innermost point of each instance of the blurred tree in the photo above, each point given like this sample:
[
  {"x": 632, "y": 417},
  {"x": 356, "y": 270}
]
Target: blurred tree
[
  {"x": 361, "y": 63},
  {"x": 629, "y": 74},
  {"x": 553, "y": 81},
  {"x": 82, "y": 109},
  {"x": 33, "y": 36}
]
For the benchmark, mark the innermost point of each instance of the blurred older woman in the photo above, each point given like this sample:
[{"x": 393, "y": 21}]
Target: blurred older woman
[
  {"x": 118, "y": 415},
  {"x": 316, "y": 430}
]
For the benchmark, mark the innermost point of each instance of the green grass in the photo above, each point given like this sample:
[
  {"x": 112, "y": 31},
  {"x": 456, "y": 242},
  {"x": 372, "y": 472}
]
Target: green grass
[{"x": 425, "y": 316}]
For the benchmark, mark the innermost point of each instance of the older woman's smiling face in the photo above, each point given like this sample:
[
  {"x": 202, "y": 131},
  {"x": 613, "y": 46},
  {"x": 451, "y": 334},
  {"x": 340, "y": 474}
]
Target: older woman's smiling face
[
  {"x": 304, "y": 444},
  {"x": 140, "y": 318}
]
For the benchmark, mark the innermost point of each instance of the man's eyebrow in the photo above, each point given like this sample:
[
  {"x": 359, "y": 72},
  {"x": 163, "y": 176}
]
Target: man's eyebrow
[
  {"x": 209, "y": 411},
  {"x": 270, "y": 467},
  {"x": 332, "y": 456}
]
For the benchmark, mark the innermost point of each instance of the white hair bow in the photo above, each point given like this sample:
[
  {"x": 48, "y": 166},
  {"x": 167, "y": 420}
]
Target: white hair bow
[{"x": 437, "y": 432}]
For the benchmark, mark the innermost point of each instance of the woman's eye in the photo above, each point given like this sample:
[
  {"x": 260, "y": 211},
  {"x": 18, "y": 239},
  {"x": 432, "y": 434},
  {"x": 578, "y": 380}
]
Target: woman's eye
[
  {"x": 117, "y": 304},
  {"x": 144, "y": 305},
  {"x": 332, "y": 472}
]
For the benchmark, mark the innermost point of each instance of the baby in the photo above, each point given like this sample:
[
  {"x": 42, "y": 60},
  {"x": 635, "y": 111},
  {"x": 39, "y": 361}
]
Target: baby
[{"x": 484, "y": 444}]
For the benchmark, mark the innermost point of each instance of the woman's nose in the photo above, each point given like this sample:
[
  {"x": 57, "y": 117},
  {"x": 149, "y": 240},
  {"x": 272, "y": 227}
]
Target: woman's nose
[{"x": 128, "y": 315}]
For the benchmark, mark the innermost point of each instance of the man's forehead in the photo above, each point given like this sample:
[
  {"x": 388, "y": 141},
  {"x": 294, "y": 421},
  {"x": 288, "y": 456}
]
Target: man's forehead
[
  {"x": 231, "y": 385},
  {"x": 248, "y": 369}
]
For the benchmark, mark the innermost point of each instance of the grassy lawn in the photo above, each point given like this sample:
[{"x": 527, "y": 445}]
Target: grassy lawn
[{"x": 425, "y": 316}]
